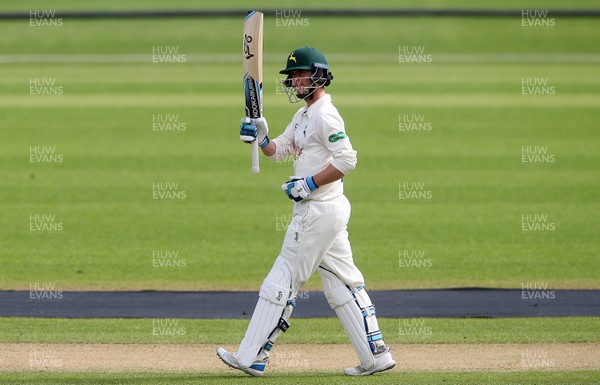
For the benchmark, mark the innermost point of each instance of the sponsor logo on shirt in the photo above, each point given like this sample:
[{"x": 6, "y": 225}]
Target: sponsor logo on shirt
[{"x": 335, "y": 137}]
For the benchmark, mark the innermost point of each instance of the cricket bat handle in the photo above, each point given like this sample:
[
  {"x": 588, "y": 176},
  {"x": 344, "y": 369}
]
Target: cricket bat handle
[{"x": 255, "y": 164}]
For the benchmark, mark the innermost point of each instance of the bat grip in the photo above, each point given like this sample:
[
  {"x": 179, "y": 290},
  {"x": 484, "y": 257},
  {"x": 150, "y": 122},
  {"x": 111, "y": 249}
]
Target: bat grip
[{"x": 255, "y": 164}]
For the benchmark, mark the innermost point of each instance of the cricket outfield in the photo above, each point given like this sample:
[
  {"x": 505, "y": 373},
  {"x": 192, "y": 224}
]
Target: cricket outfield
[{"x": 478, "y": 164}]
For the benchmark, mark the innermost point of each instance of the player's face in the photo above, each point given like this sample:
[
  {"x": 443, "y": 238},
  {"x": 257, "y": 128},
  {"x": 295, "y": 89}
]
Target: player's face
[{"x": 301, "y": 81}]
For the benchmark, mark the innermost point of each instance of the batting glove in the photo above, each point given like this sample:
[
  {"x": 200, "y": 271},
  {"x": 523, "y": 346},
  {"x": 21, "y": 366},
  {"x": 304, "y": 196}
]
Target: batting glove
[
  {"x": 256, "y": 129},
  {"x": 299, "y": 188}
]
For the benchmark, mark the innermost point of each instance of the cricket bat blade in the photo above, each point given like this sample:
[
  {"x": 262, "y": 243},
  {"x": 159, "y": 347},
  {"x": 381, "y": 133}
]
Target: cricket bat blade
[{"x": 252, "y": 57}]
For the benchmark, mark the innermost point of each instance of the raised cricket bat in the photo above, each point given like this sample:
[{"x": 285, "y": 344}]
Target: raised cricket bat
[{"x": 253, "y": 76}]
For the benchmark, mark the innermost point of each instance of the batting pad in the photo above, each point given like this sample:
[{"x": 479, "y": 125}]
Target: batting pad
[
  {"x": 273, "y": 299},
  {"x": 343, "y": 302},
  {"x": 368, "y": 311},
  {"x": 264, "y": 319}
]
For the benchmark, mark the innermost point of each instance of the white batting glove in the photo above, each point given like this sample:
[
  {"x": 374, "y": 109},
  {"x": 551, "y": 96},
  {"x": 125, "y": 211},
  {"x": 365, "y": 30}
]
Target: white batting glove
[
  {"x": 248, "y": 131},
  {"x": 263, "y": 131},
  {"x": 254, "y": 129},
  {"x": 298, "y": 188}
]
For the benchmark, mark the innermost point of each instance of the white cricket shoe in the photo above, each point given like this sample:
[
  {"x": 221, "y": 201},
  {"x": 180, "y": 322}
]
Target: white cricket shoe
[
  {"x": 256, "y": 369},
  {"x": 383, "y": 361}
]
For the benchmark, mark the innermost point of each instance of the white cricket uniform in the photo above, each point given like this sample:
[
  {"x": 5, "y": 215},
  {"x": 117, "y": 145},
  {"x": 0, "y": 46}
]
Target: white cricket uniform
[
  {"x": 316, "y": 238},
  {"x": 317, "y": 234}
]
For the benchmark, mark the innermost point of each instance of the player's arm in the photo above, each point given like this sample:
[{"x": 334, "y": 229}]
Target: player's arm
[
  {"x": 257, "y": 129},
  {"x": 299, "y": 188},
  {"x": 269, "y": 149},
  {"x": 328, "y": 175},
  {"x": 337, "y": 142},
  {"x": 344, "y": 161}
]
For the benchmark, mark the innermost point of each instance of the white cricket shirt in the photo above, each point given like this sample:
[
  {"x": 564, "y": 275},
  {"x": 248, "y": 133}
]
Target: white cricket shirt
[{"x": 315, "y": 138}]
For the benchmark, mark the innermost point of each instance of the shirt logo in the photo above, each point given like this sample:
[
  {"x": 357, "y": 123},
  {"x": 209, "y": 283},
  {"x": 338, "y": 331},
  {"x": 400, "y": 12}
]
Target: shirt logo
[
  {"x": 335, "y": 137},
  {"x": 292, "y": 57}
]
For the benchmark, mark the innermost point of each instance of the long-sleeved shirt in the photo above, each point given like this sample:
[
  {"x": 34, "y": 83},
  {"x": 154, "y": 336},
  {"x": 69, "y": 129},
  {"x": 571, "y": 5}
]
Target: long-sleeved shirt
[{"x": 315, "y": 138}]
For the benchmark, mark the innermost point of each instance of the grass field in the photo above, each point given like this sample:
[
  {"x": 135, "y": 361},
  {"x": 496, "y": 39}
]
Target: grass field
[
  {"x": 26, "y": 5},
  {"x": 550, "y": 338},
  {"x": 315, "y": 378},
  {"x": 324, "y": 330},
  {"x": 312, "y": 378},
  {"x": 470, "y": 160},
  {"x": 97, "y": 157}
]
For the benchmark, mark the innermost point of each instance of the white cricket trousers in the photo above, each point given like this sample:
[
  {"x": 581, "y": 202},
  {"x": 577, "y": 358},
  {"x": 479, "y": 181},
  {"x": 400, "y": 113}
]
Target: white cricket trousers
[{"x": 318, "y": 235}]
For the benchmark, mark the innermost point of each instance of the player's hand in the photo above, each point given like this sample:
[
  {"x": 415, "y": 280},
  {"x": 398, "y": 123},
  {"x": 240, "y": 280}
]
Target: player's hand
[
  {"x": 254, "y": 129},
  {"x": 248, "y": 131},
  {"x": 299, "y": 188}
]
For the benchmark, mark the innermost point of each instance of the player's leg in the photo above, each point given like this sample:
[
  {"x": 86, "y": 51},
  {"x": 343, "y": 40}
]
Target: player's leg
[
  {"x": 270, "y": 316},
  {"x": 269, "y": 319},
  {"x": 345, "y": 291},
  {"x": 310, "y": 234}
]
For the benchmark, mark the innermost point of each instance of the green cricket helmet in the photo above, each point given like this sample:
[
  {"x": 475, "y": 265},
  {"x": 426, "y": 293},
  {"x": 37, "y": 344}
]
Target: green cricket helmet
[
  {"x": 305, "y": 58},
  {"x": 311, "y": 59}
]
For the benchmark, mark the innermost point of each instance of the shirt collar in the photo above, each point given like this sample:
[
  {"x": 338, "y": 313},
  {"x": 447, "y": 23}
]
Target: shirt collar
[{"x": 312, "y": 110}]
